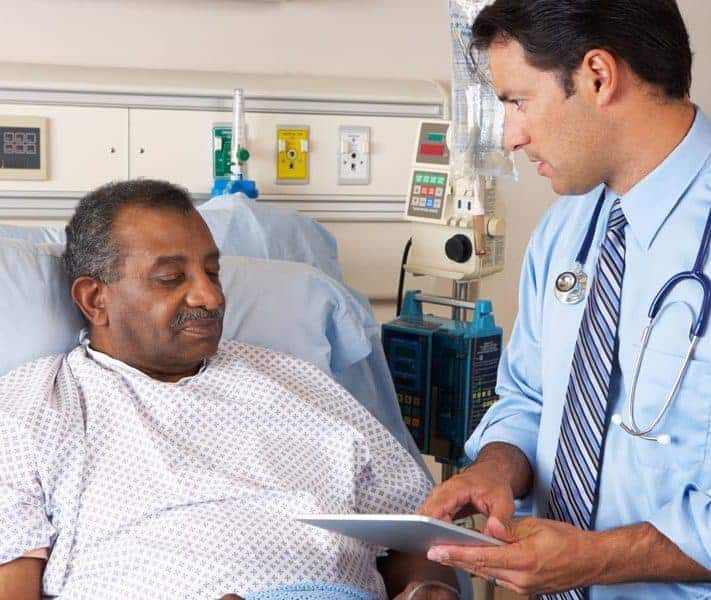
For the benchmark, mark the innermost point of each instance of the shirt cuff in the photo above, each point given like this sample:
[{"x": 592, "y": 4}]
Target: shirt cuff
[
  {"x": 686, "y": 521},
  {"x": 519, "y": 430},
  {"x": 42, "y": 553}
]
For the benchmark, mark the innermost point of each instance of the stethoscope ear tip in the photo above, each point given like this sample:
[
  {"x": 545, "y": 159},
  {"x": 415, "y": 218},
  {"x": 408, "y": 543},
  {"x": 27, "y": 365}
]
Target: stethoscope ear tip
[{"x": 663, "y": 439}]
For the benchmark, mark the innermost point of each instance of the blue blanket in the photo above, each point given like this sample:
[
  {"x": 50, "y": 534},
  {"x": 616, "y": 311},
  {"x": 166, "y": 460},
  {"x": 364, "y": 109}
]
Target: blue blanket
[{"x": 311, "y": 591}]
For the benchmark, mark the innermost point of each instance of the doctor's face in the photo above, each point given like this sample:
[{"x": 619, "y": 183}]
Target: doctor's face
[
  {"x": 557, "y": 133},
  {"x": 165, "y": 311}
]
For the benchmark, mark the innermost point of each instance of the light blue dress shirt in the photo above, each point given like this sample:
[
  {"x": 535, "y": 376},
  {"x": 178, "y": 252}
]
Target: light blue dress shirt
[{"x": 668, "y": 486}]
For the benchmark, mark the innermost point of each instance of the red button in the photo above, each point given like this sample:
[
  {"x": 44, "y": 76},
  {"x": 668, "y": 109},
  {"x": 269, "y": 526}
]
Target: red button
[{"x": 432, "y": 149}]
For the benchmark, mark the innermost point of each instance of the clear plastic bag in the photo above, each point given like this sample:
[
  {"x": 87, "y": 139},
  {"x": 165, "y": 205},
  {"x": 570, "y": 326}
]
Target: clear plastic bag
[{"x": 477, "y": 130}]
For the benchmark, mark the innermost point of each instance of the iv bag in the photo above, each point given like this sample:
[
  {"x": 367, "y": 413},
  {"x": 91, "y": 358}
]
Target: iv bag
[{"x": 477, "y": 130}]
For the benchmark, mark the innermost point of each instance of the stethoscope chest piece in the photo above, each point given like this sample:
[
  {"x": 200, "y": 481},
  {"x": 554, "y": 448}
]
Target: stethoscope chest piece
[{"x": 570, "y": 286}]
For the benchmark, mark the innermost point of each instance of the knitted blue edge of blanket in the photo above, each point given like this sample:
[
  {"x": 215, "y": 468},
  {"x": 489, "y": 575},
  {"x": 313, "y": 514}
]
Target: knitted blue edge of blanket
[{"x": 311, "y": 591}]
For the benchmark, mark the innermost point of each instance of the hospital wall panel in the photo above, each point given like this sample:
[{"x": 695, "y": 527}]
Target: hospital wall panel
[
  {"x": 177, "y": 145},
  {"x": 88, "y": 146},
  {"x": 109, "y": 124}
]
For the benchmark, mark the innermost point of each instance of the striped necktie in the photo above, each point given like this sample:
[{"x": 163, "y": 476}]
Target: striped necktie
[{"x": 577, "y": 463}]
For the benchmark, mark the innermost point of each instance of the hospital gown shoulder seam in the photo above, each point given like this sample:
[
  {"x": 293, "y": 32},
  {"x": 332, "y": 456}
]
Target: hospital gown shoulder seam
[
  {"x": 29, "y": 400},
  {"x": 30, "y": 377}
]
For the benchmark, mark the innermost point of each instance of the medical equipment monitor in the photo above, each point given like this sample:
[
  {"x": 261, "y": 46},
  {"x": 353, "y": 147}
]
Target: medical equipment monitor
[
  {"x": 444, "y": 373},
  {"x": 432, "y": 144},
  {"x": 428, "y": 190},
  {"x": 23, "y": 147}
]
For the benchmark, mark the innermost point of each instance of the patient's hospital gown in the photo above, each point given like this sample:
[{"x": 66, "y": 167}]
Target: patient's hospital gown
[{"x": 146, "y": 489}]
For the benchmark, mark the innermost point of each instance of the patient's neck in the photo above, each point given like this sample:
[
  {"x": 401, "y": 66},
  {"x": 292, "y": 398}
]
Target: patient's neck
[
  {"x": 167, "y": 377},
  {"x": 139, "y": 361}
]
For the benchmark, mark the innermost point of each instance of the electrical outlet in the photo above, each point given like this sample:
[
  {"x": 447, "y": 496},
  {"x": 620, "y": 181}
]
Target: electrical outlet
[
  {"x": 353, "y": 155},
  {"x": 469, "y": 195}
]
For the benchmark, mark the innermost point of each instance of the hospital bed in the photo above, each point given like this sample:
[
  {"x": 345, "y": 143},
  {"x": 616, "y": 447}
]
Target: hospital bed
[{"x": 284, "y": 291}]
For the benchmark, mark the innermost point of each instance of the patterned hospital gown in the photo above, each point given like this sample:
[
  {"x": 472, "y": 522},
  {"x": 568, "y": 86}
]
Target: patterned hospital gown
[{"x": 145, "y": 489}]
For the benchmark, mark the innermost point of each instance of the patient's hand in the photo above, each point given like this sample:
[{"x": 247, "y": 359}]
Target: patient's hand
[{"x": 429, "y": 592}]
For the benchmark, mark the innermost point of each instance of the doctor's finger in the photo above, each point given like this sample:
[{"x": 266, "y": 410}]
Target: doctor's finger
[
  {"x": 499, "y": 505},
  {"x": 477, "y": 558},
  {"x": 445, "y": 501},
  {"x": 460, "y": 494},
  {"x": 502, "y": 578},
  {"x": 512, "y": 579}
]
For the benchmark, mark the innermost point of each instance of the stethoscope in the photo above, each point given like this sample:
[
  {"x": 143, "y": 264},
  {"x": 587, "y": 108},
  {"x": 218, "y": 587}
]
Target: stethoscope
[{"x": 571, "y": 286}]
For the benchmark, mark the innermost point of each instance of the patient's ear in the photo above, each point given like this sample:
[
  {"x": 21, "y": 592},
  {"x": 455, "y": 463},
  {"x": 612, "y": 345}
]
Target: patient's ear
[{"x": 90, "y": 296}]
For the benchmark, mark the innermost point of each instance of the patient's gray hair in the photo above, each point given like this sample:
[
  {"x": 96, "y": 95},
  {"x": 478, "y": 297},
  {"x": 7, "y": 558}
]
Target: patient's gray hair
[{"x": 91, "y": 249}]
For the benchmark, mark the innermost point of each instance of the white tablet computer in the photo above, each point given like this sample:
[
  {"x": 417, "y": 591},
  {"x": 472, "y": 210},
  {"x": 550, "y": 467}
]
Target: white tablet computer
[{"x": 406, "y": 533}]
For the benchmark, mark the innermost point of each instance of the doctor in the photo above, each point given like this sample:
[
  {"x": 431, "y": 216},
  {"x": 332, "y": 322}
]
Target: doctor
[{"x": 597, "y": 95}]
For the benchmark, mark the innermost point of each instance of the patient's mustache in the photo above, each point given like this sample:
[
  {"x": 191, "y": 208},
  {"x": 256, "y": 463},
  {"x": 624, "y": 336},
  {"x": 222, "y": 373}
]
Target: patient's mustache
[{"x": 195, "y": 315}]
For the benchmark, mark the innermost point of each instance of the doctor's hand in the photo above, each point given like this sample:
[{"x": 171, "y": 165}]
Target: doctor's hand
[
  {"x": 542, "y": 556},
  {"x": 478, "y": 489}
]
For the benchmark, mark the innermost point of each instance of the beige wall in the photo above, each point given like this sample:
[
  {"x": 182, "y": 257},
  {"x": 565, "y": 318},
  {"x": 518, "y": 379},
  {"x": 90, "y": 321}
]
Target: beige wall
[
  {"x": 367, "y": 38},
  {"x": 363, "y": 38}
]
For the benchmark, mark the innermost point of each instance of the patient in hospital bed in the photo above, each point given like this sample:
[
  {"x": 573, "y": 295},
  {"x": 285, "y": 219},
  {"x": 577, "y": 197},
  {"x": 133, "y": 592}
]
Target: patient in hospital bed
[{"x": 153, "y": 461}]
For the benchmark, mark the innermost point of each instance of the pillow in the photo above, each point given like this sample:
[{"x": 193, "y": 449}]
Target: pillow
[
  {"x": 241, "y": 227},
  {"x": 332, "y": 331},
  {"x": 295, "y": 308},
  {"x": 37, "y": 316},
  {"x": 245, "y": 227},
  {"x": 36, "y": 235}
]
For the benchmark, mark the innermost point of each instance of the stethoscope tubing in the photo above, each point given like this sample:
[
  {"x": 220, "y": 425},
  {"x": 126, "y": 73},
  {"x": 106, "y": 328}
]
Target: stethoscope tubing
[
  {"x": 644, "y": 432},
  {"x": 698, "y": 331},
  {"x": 582, "y": 257}
]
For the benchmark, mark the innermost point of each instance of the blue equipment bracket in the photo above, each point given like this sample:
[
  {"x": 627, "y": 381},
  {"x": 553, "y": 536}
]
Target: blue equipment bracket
[{"x": 227, "y": 185}]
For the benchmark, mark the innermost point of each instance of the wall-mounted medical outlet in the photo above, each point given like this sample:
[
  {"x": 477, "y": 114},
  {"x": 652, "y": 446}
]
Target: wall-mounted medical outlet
[
  {"x": 221, "y": 146},
  {"x": 353, "y": 155},
  {"x": 23, "y": 147},
  {"x": 292, "y": 154}
]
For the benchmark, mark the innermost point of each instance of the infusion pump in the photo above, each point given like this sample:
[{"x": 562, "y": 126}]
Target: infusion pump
[{"x": 456, "y": 233}]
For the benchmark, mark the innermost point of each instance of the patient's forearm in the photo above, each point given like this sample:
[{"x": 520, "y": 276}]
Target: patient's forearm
[
  {"x": 21, "y": 579},
  {"x": 399, "y": 569}
]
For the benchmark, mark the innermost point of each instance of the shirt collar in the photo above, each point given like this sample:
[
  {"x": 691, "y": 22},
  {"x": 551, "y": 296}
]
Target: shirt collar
[
  {"x": 121, "y": 367},
  {"x": 648, "y": 204}
]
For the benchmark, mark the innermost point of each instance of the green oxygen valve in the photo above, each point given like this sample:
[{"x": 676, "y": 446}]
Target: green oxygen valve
[{"x": 230, "y": 157}]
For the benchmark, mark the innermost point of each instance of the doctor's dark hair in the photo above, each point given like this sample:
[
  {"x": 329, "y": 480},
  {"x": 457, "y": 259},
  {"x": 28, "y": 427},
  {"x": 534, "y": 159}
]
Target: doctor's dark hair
[
  {"x": 91, "y": 249},
  {"x": 649, "y": 35}
]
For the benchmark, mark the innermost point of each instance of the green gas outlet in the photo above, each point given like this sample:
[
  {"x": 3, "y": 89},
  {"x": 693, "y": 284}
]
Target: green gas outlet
[{"x": 221, "y": 147}]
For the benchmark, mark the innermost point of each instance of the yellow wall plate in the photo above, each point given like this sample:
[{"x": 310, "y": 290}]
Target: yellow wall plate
[{"x": 292, "y": 154}]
